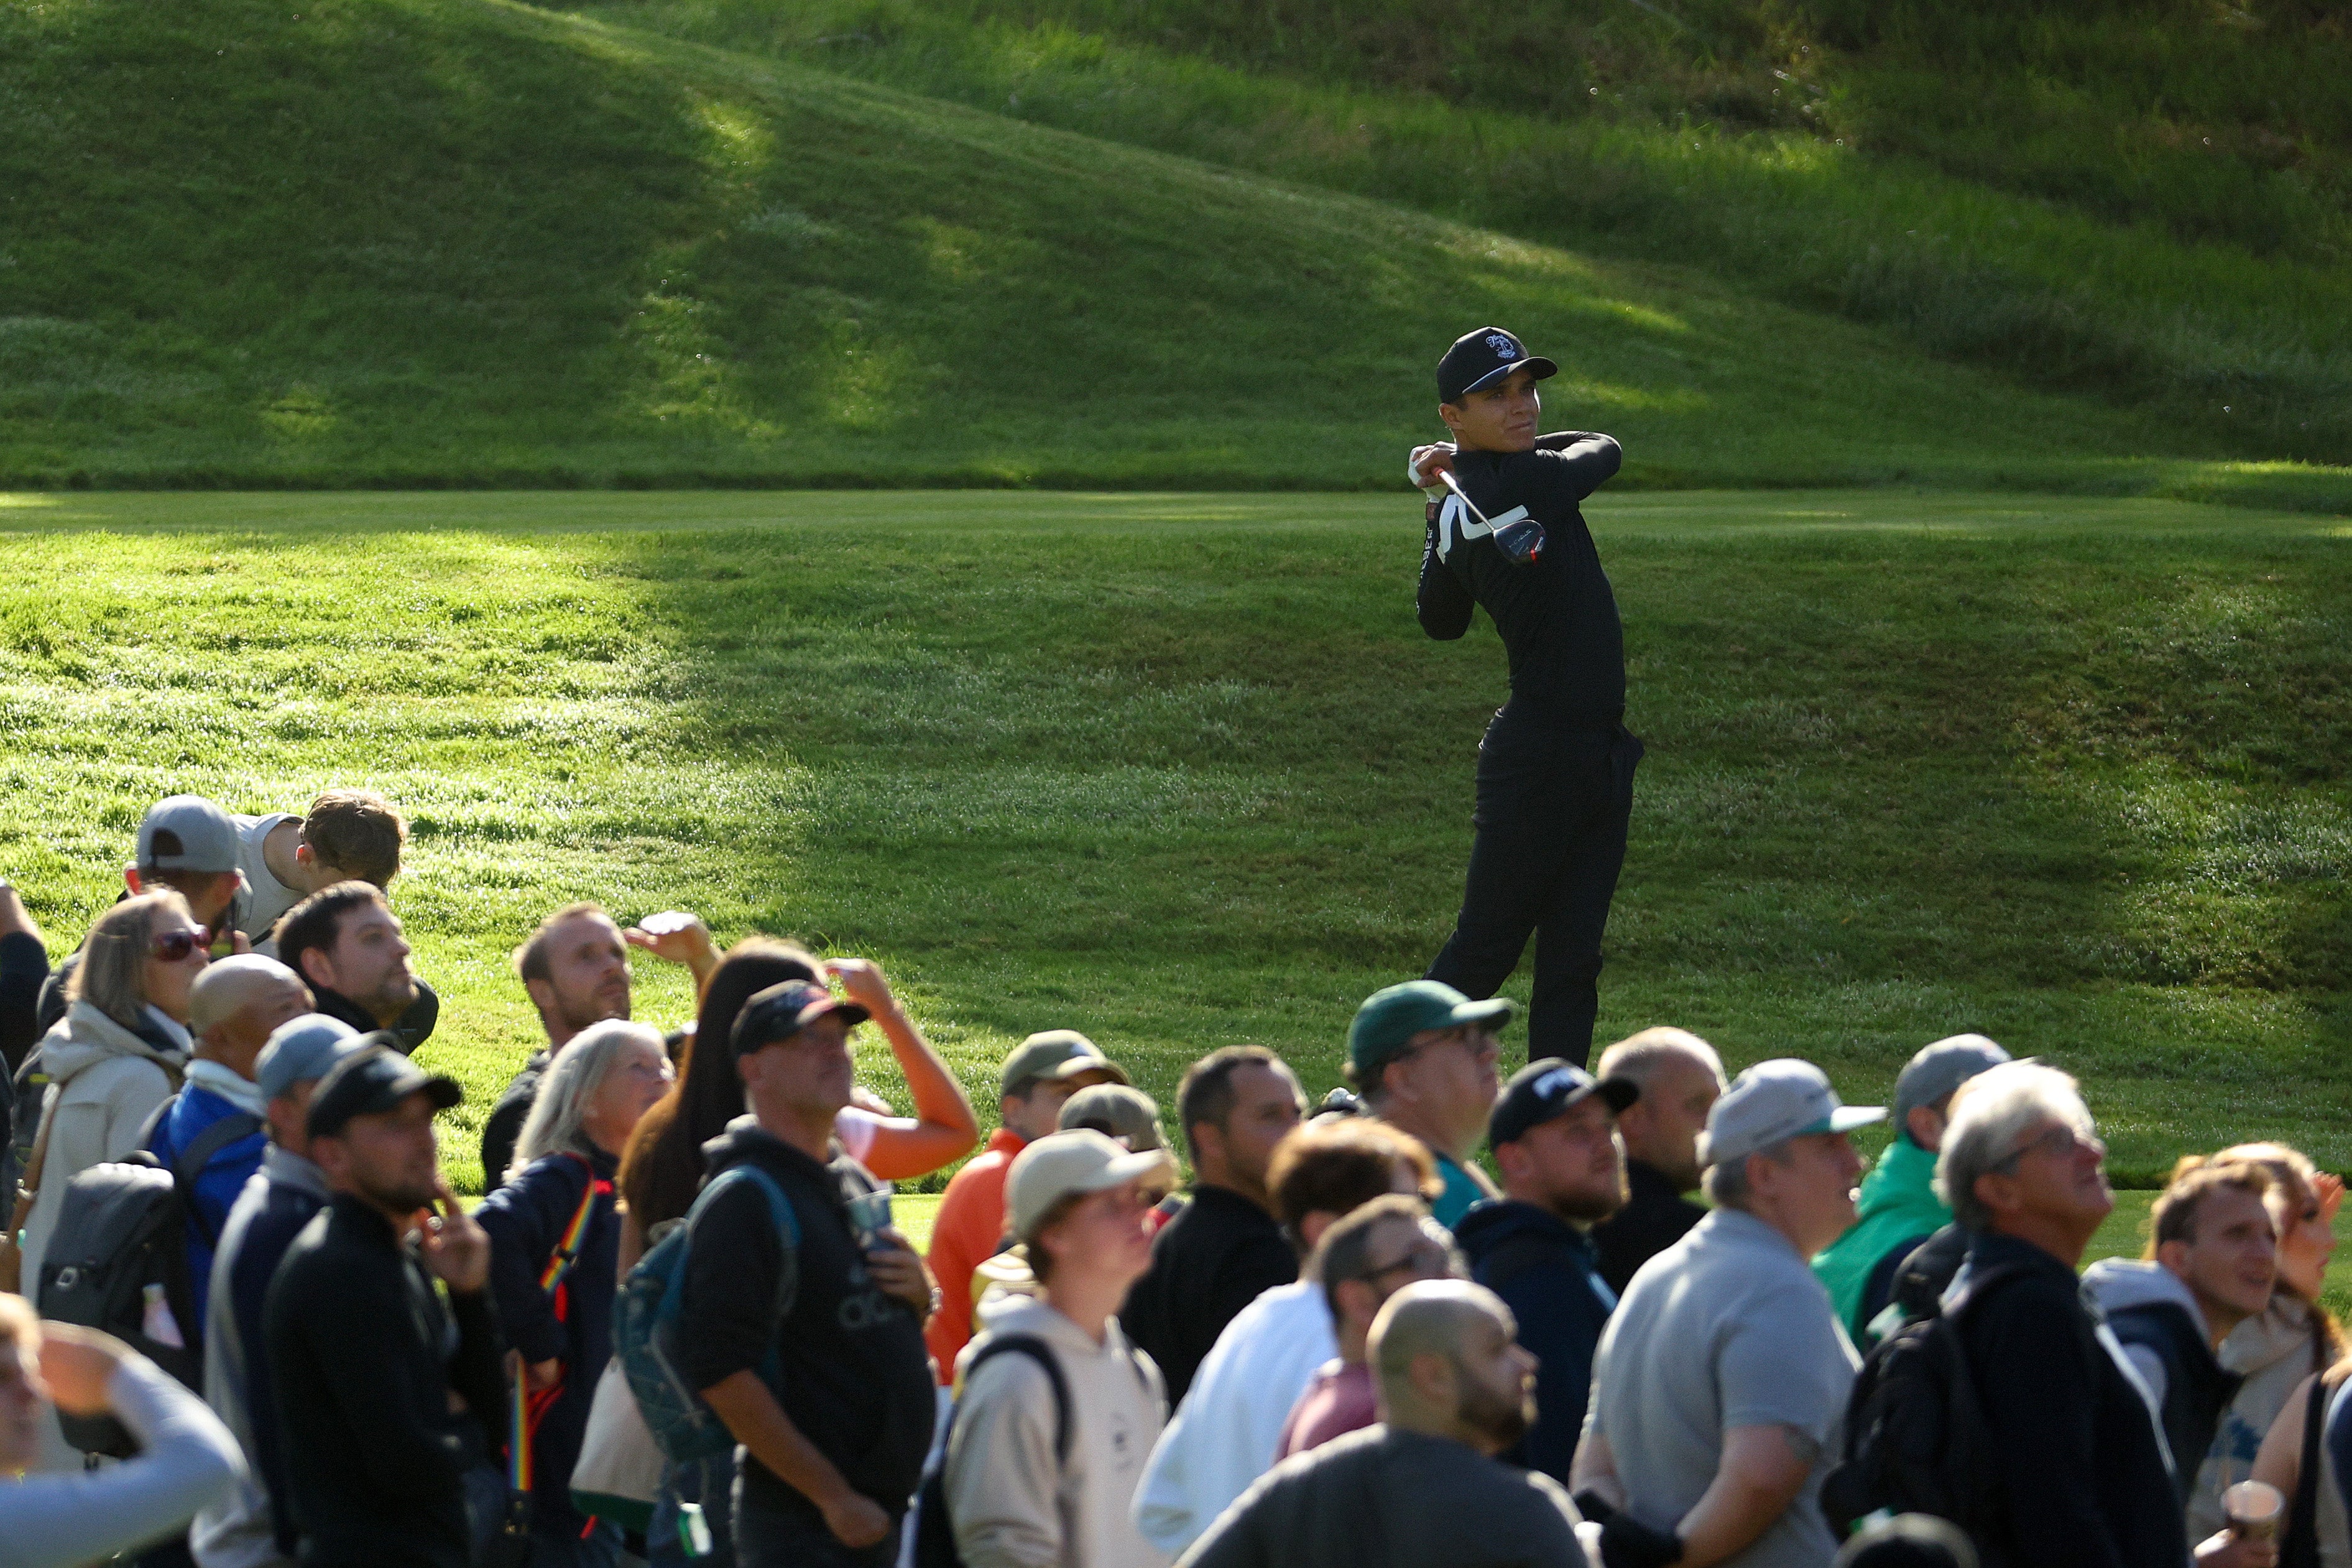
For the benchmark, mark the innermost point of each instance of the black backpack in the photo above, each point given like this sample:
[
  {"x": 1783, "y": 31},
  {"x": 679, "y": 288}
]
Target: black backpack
[
  {"x": 935, "y": 1541},
  {"x": 121, "y": 1232},
  {"x": 1917, "y": 1439}
]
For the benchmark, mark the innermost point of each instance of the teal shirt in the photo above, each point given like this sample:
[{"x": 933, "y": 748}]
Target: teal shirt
[
  {"x": 1898, "y": 1204},
  {"x": 1462, "y": 1190}
]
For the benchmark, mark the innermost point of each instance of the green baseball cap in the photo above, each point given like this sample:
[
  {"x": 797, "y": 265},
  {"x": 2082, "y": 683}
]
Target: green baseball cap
[
  {"x": 1390, "y": 1018},
  {"x": 1055, "y": 1054}
]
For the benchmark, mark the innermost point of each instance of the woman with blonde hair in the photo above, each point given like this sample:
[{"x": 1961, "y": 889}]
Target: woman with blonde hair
[
  {"x": 554, "y": 1268},
  {"x": 114, "y": 1056}
]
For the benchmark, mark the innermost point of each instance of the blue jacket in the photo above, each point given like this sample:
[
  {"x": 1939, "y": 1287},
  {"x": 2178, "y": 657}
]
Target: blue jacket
[
  {"x": 217, "y": 1184},
  {"x": 271, "y": 1213},
  {"x": 526, "y": 1218},
  {"x": 1549, "y": 1274}
]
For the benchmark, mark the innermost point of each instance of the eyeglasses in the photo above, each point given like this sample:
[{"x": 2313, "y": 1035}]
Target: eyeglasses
[
  {"x": 1478, "y": 1042},
  {"x": 2059, "y": 1142},
  {"x": 1429, "y": 1262},
  {"x": 175, "y": 946}
]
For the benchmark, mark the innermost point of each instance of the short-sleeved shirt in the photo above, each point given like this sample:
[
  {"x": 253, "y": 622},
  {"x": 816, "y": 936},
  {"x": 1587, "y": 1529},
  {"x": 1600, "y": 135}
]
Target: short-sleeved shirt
[{"x": 1726, "y": 1328}]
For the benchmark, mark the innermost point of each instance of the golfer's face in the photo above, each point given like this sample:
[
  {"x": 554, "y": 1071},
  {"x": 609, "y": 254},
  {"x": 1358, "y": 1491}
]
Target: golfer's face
[{"x": 1503, "y": 417}]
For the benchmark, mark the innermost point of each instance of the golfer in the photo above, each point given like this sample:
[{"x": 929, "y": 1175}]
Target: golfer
[{"x": 1556, "y": 768}]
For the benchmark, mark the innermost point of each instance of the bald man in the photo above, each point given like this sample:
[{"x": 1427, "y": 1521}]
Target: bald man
[
  {"x": 1421, "y": 1490},
  {"x": 213, "y": 1127}
]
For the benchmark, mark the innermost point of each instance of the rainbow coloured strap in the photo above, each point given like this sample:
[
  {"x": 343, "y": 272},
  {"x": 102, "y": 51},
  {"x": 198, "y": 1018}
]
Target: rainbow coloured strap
[{"x": 526, "y": 1409}]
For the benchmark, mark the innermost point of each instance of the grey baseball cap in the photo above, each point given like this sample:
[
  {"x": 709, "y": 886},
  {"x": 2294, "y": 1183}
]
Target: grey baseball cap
[
  {"x": 188, "y": 833},
  {"x": 1116, "y": 1111},
  {"x": 1942, "y": 1068},
  {"x": 302, "y": 1049},
  {"x": 1772, "y": 1102}
]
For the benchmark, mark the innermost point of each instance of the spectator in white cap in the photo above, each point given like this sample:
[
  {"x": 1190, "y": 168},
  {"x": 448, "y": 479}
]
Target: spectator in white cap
[
  {"x": 248, "y": 1527},
  {"x": 213, "y": 1127},
  {"x": 1058, "y": 1411},
  {"x": 1899, "y": 1207},
  {"x": 1722, "y": 1379}
]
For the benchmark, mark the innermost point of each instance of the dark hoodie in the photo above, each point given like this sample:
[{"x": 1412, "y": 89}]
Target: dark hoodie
[
  {"x": 850, "y": 1367},
  {"x": 1547, "y": 1273}
]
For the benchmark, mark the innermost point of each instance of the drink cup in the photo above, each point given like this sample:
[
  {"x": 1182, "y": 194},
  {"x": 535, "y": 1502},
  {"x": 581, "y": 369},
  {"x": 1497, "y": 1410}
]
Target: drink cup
[{"x": 2254, "y": 1509}]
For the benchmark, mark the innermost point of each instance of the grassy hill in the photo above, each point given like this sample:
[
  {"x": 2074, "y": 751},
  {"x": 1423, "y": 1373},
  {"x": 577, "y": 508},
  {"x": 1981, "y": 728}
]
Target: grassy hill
[
  {"x": 1181, "y": 771},
  {"x": 450, "y": 242},
  {"x": 2143, "y": 199}
]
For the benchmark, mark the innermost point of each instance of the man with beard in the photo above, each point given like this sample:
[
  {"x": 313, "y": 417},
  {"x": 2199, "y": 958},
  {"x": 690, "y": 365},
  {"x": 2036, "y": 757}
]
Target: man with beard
[
  {"x": 575, "y": 969},
  {"x": 389, "y": 1399},
  {"x": 1421, "y": 1490},
  {"x": 1553, "y": 1134},
  {"x": 346, "y": 944}
]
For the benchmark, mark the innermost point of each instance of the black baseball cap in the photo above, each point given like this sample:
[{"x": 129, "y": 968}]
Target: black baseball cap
[
  {"x": 785, "y": 1010},
  {"x": 371, "y": 1080},
  {"x": 1485, "y": 356},
  {"x": 1543, "y": 1090}
]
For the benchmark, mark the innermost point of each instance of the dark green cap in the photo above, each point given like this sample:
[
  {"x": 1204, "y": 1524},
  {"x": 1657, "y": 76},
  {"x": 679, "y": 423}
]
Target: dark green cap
[{"x": 1390, "y": 1018}]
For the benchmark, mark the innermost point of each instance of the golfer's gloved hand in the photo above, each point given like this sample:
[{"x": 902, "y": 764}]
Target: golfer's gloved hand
[
  {"x": 1627, "y": 1542},
  {"x": 1422, "y": 480}
]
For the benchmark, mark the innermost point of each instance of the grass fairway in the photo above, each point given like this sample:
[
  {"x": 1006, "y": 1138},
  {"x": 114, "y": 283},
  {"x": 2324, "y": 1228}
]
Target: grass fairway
[{"x": 1181, "y": 771}]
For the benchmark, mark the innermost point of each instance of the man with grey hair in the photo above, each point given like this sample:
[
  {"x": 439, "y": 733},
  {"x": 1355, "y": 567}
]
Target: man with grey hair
[
  {"x": 1422, "y": 1489},
  {"x": 218, "y": 1113},
  {"x": 1899, "y": 1208},
  {"x": 2085, "y": 1482},
  {"x": 251, "y": 1527},
  {"x": 1680, "y": 1078},
  {"x": 1721, "y": 1384}
]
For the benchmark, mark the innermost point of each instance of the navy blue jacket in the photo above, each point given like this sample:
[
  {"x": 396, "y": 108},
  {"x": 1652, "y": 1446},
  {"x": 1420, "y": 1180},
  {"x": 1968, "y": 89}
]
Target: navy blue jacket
[
  {"x": 280, "y": 1209},
  {"x": 526, "y": 1218},
  {"x": 1547, "y": 1274}
]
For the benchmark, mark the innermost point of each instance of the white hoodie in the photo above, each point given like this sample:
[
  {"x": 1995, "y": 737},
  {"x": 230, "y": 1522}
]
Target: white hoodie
[{"x": 2117, "y": 1283}]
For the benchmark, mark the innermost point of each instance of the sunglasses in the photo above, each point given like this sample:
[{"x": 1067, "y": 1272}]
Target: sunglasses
[{"x": 175, "y": 946}]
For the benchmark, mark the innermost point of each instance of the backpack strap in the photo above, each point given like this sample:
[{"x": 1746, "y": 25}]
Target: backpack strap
[
  {"x": 567, "y": 1245},
  {"x": 1041, "y": 1353},
  {"x": 197, "y": 1155},
  {"x": 2299, "y": 1546}
]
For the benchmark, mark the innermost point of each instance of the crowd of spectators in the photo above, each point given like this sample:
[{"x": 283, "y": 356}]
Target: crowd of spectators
[{"x": 267, "y": 1332}]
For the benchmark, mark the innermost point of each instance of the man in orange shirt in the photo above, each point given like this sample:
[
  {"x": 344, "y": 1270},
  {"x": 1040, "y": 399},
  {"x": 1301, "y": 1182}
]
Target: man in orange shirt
[{"x": 1041, "y": 1072}]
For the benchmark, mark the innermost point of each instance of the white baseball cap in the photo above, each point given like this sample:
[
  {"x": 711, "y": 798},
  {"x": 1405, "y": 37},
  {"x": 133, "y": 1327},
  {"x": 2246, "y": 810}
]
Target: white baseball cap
[
  {"x": 1060, "y": 1163},
  {"x": 1772, "y": 1102}
]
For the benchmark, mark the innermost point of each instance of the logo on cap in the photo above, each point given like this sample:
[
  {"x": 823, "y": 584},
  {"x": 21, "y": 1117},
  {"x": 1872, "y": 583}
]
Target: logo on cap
[{"x": 1504, "y": 348}]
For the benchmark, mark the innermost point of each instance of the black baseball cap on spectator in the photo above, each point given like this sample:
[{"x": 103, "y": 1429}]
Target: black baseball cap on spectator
[
  {"x": 1545, "y": 1088},
  {"x": 1481, "y": 358},
  {"x": 371, "y": 1080},
  {"x": 784, "y": 1010}
]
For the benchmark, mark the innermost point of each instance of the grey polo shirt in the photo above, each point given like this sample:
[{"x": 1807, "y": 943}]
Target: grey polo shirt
[{"x": 1728, "y": 1327}]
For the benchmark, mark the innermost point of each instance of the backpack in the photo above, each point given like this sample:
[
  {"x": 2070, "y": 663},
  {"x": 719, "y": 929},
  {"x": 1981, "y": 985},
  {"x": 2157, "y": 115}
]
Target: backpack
[
  {"x": 935, "y": 1541},
  {"x": 1917, "y": 1438},
  {"x": 646, "y": 1326},
  {"x": 119, "y": 1260}
]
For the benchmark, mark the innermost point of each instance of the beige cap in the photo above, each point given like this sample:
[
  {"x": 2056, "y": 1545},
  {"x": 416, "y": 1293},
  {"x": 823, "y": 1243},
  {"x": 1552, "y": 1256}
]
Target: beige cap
[
  {"x": 1060, "y": 1163},
  {"x": 1126, "y": 1114},
  {"x": 1055, "y": 1054}
]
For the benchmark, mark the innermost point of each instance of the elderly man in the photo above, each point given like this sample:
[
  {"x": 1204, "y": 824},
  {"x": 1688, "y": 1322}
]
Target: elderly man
[
  {"x": 1680, "y": 1077},
  {"x": 2085, "y": 1478},
  {"x": 250, "y": 1528},
  {"x": 1723, "y": 1377},
  {"x": 1421, "y": 1490},
  {"x": 215, "y": 1120},
  {"x": 1423, "y": 1055}
]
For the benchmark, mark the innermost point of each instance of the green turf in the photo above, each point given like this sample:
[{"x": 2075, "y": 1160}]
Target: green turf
[
  {"x": 433, "y": 242},
  {"x": 1181, "y": 771},
  {"x": 2133, "y": 199}
]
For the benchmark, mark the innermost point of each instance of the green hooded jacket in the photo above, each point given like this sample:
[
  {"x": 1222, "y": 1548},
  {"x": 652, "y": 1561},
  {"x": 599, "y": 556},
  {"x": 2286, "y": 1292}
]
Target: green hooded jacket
[{"x": 1898, "y": 1204}]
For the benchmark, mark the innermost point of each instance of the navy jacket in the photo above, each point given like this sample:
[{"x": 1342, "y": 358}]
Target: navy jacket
[
  {"x": 273, "y": 1209},
  {"x": 2197, "y": 1388},
  {"x": 526, "y": 1219},
  {"x": 1547, "y": 1273}
]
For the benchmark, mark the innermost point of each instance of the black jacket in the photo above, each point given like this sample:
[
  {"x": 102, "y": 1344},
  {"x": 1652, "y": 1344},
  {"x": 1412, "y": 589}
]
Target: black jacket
[
  {"x": 1654, "y": 1218},
  {"x": 1545, "y": 1271},
  {"x": 410, "y": 1030},
  {"x": 2197, "y": 1389},
  {"x": 850, "y": 1367},
  {"x": 1557, "y": 616},
  {"x": 1208, "y": 1263},
  {"x": 362, "y": 1359},
  {"x": 502, "y": 1129},
  {"x": 2085, "y": 1481},
  {"x": 526, "y": 1218}
]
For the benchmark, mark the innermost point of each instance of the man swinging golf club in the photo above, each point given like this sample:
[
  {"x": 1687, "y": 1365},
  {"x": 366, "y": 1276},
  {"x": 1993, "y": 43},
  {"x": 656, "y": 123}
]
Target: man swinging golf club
[{"x": 1556, "y": 768}]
